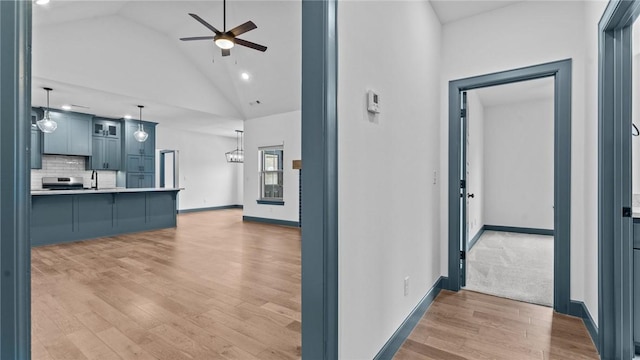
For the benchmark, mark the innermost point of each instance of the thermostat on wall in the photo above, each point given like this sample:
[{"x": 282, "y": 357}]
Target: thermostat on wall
[{"x": 373, "y": 102}]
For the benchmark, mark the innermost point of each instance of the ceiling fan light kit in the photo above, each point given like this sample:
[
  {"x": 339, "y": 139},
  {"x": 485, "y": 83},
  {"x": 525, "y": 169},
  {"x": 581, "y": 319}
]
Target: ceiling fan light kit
[{"x": 226, "y": 40}]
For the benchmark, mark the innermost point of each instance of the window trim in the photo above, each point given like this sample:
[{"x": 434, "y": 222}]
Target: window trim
[{"x": 269, "y": 200}]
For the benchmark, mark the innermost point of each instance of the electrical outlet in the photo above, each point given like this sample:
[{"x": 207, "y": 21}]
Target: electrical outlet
[
  {"x": 435, "y": 177},
  {"x": 406, "y": 286}
]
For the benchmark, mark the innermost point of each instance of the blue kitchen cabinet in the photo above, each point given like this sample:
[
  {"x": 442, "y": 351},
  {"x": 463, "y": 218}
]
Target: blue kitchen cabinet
[
  {"x": 107, "y": 145},
  {"x": 146, "y": 148},
  {"x": 106, "y": 127},
  {"x": 105, "y": 154},
  {"x": 140, "y": 180},
  {"x": 141, "y": 164},
  {"x": 36, "y": 149},
  {"x": 72, "y": 137},
  {"x": 139, "y": 158},
  {"x": 636, "y": 299},
  {"x": 59, "y": 218},
  {"x": 36, "y": 140}
]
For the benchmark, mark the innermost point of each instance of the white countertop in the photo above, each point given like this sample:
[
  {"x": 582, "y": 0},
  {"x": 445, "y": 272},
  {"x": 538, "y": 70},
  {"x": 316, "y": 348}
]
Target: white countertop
[
  {"x": 635, "y": 212},
  {"x": 100, "y": 191}
]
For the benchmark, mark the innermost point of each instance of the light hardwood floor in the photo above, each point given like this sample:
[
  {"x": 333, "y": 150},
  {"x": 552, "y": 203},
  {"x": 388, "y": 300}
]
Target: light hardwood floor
[
  {"x": 214, "y": 288},
  {"x": 469, "y": 325},
  {"x": 218, "y": 288}
]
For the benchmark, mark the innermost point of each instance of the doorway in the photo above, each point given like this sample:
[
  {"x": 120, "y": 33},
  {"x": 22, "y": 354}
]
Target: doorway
[
  {"x": 615, "y": 222},
  {"x": 508, "y": 152},
  {"x": 560, "y": 72},
  {"x": 169, "y": 170}
]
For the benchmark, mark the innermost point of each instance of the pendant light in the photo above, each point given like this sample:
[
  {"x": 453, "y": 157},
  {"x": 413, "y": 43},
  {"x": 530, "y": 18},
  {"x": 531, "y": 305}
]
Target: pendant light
[
  {"x": 237, "y": 155},
  {"x": 46, "y": 125},
  {"x": 140, "y": 135}
]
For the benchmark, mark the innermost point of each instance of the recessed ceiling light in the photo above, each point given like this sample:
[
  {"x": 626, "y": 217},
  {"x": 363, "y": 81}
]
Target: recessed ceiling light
[
  {"x": 245, "y": 76},
  {"x": 66, "y": 107},
  {"x": 127, "y": 117},
  {"x": 42, "y": 2}
]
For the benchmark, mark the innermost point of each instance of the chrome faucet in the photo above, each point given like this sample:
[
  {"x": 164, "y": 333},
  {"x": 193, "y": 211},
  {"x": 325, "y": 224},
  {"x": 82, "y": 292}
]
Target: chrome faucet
[{"x": 94, "y": 173}]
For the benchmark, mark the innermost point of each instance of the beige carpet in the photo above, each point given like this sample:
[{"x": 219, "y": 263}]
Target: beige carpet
[{"x": 514, "y": 266}]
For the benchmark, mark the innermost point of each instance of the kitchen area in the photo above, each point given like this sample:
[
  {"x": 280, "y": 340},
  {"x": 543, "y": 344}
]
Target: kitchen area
[{"x": 93, "y": 177}]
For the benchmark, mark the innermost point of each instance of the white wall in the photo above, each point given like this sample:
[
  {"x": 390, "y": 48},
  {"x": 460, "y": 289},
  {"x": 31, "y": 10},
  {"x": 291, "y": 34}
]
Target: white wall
[
  {"x": 208, "y": 180},
  {"x": 281, "y": 129},
  {"x": 475, "y": 164},
  {"x": 593, "y": 13},
  {"x": 518, "y": 164},
  {"x": 389, "y": 212},
  {"x": 519, "y": 35}
]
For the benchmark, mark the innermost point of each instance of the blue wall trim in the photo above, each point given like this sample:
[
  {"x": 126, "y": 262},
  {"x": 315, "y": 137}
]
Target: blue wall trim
[
  {"x": 561, "y": 71},
  {"x": 579, "y": 309},
  {"x": 476, "y": 238},
  {"x": 271, "y": 221},
  {"x": 520, "y": 230},
  {"x": 397, "y": 339},
  {"x": 270, "y": 202},
  {"x": 185, "y": 211}
]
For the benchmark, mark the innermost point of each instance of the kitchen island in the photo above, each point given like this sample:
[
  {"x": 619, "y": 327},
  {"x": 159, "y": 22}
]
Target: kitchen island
[{"x": 59, "y": 216}]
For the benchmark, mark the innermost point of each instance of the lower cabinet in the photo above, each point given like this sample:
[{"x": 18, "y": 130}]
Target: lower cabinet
[
  {"x": 636, "y": 298},
  {"x": 63, "y": 218}
]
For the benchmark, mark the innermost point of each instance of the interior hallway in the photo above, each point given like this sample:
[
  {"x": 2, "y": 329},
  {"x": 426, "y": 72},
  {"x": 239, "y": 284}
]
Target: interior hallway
[
  {"x": 213, "y": 288},
  {"x": 470, "y": 325}
]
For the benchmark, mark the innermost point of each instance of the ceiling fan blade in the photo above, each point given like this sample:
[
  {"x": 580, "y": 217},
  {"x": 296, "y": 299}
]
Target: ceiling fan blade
[
  {"x": 241, "y": 29},
  {"x": 226, "y": 52},
  {"x": 209, "y": 26},
  {"x": 197, "y": 38},
  {"x": 249, "y": 44}
]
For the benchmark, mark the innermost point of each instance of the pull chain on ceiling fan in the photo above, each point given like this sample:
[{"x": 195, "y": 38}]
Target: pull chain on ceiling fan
[{"x": 226, "y": 40}]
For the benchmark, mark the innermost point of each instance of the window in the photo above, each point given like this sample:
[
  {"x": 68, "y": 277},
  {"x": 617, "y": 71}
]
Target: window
[{"x": 271, "y": 174}]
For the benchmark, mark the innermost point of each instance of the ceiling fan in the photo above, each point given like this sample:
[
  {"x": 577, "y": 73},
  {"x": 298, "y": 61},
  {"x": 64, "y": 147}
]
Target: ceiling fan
[{"x": 225, "y": 40}]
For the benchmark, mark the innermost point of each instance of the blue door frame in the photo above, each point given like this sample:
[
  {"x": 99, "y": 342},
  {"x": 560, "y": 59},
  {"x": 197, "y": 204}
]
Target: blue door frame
[
  {"x": 15, "y": 198},
  {"x": 320, "y": 180},
  {"x": 615, "y": 243},
  {"x": 319, "y": 151},
  {"x": 561, "y": 71}
]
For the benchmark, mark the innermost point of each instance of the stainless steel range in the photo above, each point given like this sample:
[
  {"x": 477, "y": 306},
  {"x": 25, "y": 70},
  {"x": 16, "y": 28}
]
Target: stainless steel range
[{"x": 62, "y": 183}]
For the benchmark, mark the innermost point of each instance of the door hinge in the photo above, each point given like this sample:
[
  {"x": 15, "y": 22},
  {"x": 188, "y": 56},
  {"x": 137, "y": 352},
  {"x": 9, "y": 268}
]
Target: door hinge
[
  {"x": 463, "y": 184},
  {"x": 463, "y": 255},
  {"x": 626, "y": 212},
  {"x": 463, "y": 112}
]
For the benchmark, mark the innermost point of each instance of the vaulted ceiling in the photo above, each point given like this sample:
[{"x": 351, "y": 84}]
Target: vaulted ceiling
[{"x": 109, "y": 56}]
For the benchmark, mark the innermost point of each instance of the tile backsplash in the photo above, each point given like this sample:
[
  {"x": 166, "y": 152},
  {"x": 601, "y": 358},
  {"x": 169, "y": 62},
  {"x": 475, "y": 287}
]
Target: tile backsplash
[{"x": 62, "y": 165}]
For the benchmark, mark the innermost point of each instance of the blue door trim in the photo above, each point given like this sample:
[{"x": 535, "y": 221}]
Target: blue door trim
[
  {"x": 320, "y": 180},
  {"x": 15, "y": 172},
  {"x": 579, "y": 309},
  {"x": 615, "y": 241},
  {"x": 394, "y": 343},
  {"x": 519, "y": 230},
  {"x": 561, "y": 71}
]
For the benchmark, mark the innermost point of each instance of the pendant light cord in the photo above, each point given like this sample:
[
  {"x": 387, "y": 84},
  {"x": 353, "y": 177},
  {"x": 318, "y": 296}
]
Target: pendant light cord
[
  {"x": 140, "y": 118},
  {"x": 224, "y": 15}
]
